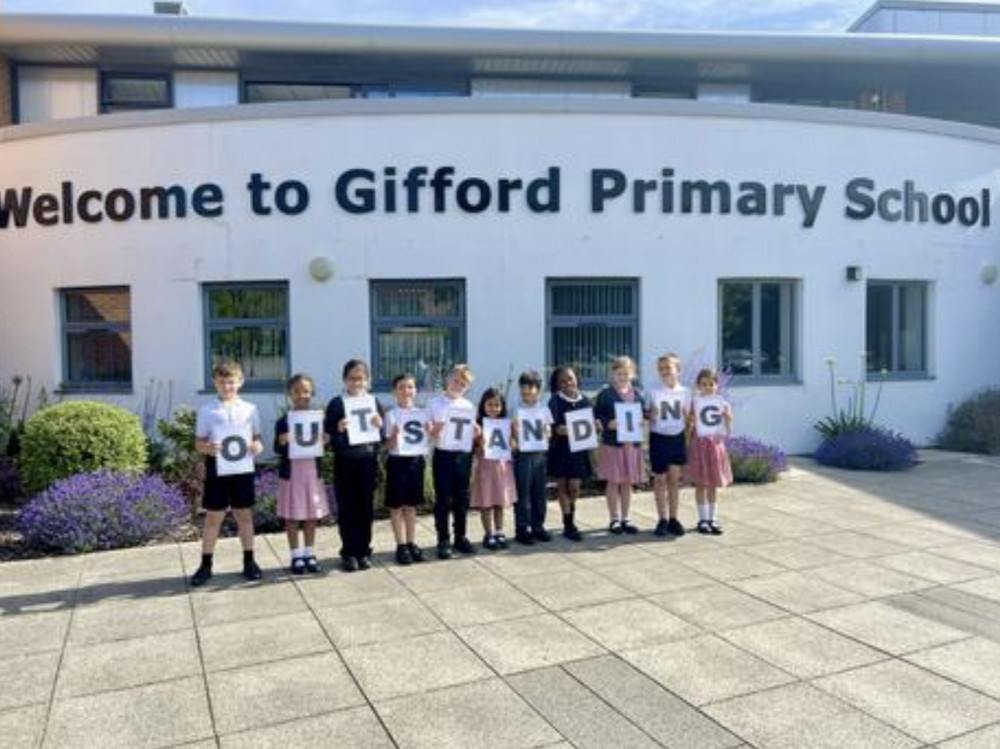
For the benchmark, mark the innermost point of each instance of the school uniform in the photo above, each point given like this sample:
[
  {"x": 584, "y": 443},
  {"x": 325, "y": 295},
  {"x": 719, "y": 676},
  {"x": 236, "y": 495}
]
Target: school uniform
[
  {"x": 562, "y": 463},
  {"x": 452, "y": 470},
  {"x": 301, "y": 494},
  {"x": 404, "y": 474},
  {"x": 530, "y": 475},
  {"x": 667, "y": 439},
  {"x": 616, "y": 462},
  {"x": 222, "y": 417}
]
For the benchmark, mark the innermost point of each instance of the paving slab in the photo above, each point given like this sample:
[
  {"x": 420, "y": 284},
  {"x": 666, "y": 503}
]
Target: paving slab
[
  {"x": 662, "y": 715},
  {"x": 797, "y": 716},
  {"x": 529, "y": 642},
  {"x": 727, "y": 564},
  {"x": 33, "y": 633},
  {"x": 934, "y": 567},
  {"x": 356, "y": 727},
  {"x": 128, "y": 663},
  {"x": 378, "y": 621},
  {"x": 147, "y": 717},
  {"x": 281, "y": 691},
  {"x": 480, "y": 604},
  {"x": 717, "y": 606},
  {"x": 123, "y": 620},
  {"x": 869, "y": 580},
  {"x": 984, "y": 738},
  {"x": 882, "y": 626},
  {"x": 651, "y": 576},
  {"x": 577, "y": 713},
  {"x": 572, "y": 589},
  {"x": 259, "y": 640},
  {"x": 629, "y": 624},
  {"x": 269, "y": 598},
  {"x": 913, "y": 700},
  {"x": 27, "y": 679},
  {"x": 798, "y": 592},
  {"x": 22, "y": 728},
  {"x": 705, "y": 669},
  {"x": 802, "y": 648},
  {"x": 974, "y": 662},
  {"x": 435, "y": 575},
  {"x": 416, "y": 664},
  {"x": 505, "y": 719},
  {"x": 796, "y": 554},
  {"x": 858, "y": 545},
  {"x": 335, "y": 588},
  {"x": 981, "y": 554}
]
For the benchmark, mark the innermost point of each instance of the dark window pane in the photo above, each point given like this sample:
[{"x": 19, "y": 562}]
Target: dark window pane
[
  {"x": 587, "y": 299},
  {"x": 97, "y": 356},
  {"x": 878, "y": 327},
  {"x": 737, "y": 328},
  {"x": 97, "y": 305},
  {"x": 418, "y": 350},
  {"x": 247, "y": 303},
  {"x": 910, "y": 353},
  {"x": 589, "y": 349},
  {"x": 418, "y": 301},
  {"x": 262, "y": 352}
]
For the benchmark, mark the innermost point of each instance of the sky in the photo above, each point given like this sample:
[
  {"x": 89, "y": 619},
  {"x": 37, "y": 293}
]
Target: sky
[{"x": 758, "y": 15}]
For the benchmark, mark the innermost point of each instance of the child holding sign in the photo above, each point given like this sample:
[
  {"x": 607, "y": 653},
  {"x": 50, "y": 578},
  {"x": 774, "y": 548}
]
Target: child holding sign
[
  {"x": 227, "y": 433},
  {"x": 708, "y": 461},
  {"x": 452, "y": 424},
  {"x": 669, "y": 409},
  {"x": 493, "y": 478},
  {"x": 354, "y": 422},
  {"x": 406, "y": 433},
  {"x": 298, "y": 443},
  {"x": 619, "y": 409},
  {"x": 567, "y": 467},
  {"x": 532, "y": 427}
]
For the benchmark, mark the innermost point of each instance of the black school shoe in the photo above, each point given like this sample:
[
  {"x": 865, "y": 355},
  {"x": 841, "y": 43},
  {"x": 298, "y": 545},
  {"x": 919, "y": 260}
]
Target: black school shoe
[
  {"x": 662, "y": 528},
  {"x": 629, "y": 527},
  {"x": 251, "y": 571},
  {"x": 312, "y": 565},
  {"x": 201, "y": 575},
  {"x": 349, "y": 564},
  {"x": 464, "y": 546},
  {"x": 572, "y": 533},
  {"x": 364, "y": 563},
  {"x": 524, "y": 537},
  {"x": 674, "y": 526},
  {"x": 542, "y": 535},
  {"x": 403, "y": 555},
  {"x": 443, "y": 550},
  {"x": 416, "y": 554}
]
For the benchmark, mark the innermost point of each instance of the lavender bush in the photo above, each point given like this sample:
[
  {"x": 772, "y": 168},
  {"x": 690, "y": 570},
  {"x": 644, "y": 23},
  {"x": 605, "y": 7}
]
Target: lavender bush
[
  {"x": 753, "y": 461},
  {"x": 265, "y": 511},
  {"x": 974, "y": 425},
  {"x": 102, "y": 510},
  {"x": 874, "y": 449}
]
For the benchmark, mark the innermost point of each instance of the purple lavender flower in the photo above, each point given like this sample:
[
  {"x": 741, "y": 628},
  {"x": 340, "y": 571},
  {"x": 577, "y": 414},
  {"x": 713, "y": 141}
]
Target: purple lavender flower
[
  {"x": 874, "y": 449},
  {"x": 754, "y": 461}
]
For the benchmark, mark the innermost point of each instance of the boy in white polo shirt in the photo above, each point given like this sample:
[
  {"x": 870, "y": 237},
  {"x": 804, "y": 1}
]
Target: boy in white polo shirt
[{"x": 218, "y": 420}]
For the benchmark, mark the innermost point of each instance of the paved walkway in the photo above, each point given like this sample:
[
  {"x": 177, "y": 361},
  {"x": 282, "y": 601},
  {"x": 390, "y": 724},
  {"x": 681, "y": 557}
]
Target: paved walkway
[{"x": 839, "y": 610}]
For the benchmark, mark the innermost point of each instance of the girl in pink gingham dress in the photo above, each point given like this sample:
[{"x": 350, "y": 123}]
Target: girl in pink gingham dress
[{"x": 708, "y": 462}]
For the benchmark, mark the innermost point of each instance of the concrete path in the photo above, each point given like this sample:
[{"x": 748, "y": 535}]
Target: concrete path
[{"x": 838, "y": 610}]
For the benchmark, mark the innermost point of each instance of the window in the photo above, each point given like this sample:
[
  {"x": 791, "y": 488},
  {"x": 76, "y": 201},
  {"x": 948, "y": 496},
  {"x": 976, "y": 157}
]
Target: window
[
  {"x": 123, "y": 92},
  {"x": 97, "y": 338},
  {"x": 757, "y": 321},
  {"x": 248, "y": 322},
  {"x": 418, "y": 326},
  {"x": 590, "y": 322},
  {"x": 896, "y": 327}
]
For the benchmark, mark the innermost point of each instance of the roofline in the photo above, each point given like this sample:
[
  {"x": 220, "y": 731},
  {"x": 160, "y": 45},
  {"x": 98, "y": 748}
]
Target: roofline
[
  {"x": 945, "y": 5},
  {"x": 18, "y": 31}
]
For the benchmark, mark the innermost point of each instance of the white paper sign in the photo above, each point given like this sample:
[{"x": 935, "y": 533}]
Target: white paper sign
[
  {"x": 359, "y": 411},
  {"x": 709, "y": 415},
  {"x": 532, "y": 436},
  {"x": 580, "y": 430},
  {"x": 629, "y": 422},
  {"x": 496, "y": 439},
  {"x": 305, "y": 434},
  {"x": 459, "y": 429},
  {"x": 668, "y": 412},
  {"x": 234, "y": 451},
  {"x": 412, "y": 436}
]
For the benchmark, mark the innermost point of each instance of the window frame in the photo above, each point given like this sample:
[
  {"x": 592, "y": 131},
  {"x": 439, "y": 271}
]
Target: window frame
[
  {"x": 210, "y": 325},
  {"x": 892, "y": 373},
  {"x": 107, "y": 106},
  {"x": 78, "y": 326},
  {"x": 378, "y": 323},
  {"x": 553, "y": 321},
  {"x": 756, "y": 377}
]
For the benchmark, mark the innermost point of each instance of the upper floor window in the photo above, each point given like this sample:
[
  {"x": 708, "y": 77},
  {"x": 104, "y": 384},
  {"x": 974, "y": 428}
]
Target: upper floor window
[
  {"x": 590, "y": 321},
  {"x": 418, "y": 326},
  {"x": 123, "y": 92},
  {"x": 896, "y": 327},
  {"x": 248, "y": 322},
  {"x": 97, "y": 338},
  {"x": 757, "y": 327}
]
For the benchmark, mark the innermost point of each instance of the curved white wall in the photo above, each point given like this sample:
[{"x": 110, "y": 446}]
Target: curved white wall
[{"x": 506, "y": 257}]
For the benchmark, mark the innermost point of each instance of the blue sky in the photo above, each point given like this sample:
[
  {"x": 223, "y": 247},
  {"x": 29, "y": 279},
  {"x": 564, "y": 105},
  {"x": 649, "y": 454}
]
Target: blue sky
[{"x": 777, "y": 15}]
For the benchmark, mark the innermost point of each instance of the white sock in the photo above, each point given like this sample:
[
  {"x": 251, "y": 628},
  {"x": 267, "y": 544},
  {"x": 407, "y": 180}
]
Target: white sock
[
  {"x": 702, "y": 511},
  {"x": 297, "y": 553},
  {"x": 307, "y": 551},
  {"x": 712, "y": 511}
]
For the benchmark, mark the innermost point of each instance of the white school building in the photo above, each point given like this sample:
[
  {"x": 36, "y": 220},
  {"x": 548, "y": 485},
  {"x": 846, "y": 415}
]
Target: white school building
[{"x": 177, "y": 189}]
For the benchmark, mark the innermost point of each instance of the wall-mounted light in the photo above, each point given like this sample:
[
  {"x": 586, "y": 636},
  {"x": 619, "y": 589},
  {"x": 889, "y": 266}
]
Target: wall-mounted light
[
  {"x": 989, "y": 273},
  {"x": 854, "y": 273},
  {"x": 321, "y": 269}
]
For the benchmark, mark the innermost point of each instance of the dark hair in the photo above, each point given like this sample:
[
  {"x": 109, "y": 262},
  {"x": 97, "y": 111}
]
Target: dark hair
[
  {"x": 402, "y": 377},
  {"x": 490, "y": 394},
  {"x": 530, "y": 378},
  {"x": 300, "y": 377},
  {"x": 557, "y": 374},
  {"x": 351, "y": 364},
  {"x": 227, "y": 368}
]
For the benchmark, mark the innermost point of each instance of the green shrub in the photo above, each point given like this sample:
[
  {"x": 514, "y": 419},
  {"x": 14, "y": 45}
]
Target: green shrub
[
  {"x": 80, "y": 437},
  {"x": 174, "y": 456},
  {"x": 974, "y": 426}
]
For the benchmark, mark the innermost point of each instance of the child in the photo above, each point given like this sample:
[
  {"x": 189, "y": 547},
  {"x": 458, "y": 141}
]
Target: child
[
  {"x": 708, "y": 462},
  {"x": 404, "y": 474},
  {"x": 452, "y": 469},
  {"x": 222, "y": 416},
  {"x": 620, "y": 465},
  {"x": 493, "y": 479},
  {"x": 567, "y": 468},
  {"x": 301, "y": 495},
  {"x": 667, "y": 448},
  {"x": 529, "y": 471},
  {"x": 355, "y": 471}
]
